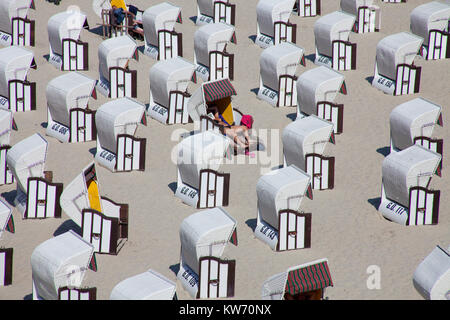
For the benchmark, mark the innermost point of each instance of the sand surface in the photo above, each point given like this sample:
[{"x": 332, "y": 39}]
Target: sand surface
[{"x": 346, "y": 227}]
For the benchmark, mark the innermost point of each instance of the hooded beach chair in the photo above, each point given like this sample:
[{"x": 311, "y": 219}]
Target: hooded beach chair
[
  {"x": 333, "y": 48},
  {"x": 7, "y": 124},
  {"x": 16, "y": 92},
  {"x": 58, "y": 267},
  {"x": 368, "y": 16},
  {"x": 211, "y": 58},
  {"x": 103, "y": 222},
  {"x": 272, "y": 22},
  {"x": 307, "y": 8},
  {"x": 6, "y": 218},
  {"x": 169, "y": 97},
  {"x": 37, "y": 196},
  {"x": 431, "y": 21},
  {"x": 15, "y": 27},
  {"x": 280, "y": 224},
  {"x": 215, "y": 11},
  {"x": 395, "y": 72},
  {"x": 277, "y": 65},
  {"x": 413, "y": 122},
  {"x": 405, "y": 194},
  {"x": 69, "y": 118},
  {"x": 118, "y": 149},
  {"x": 67, "y": 51},
  {"x": 304, "y": 144},
  {"x": 149, "y": 285},
  {"x": 199, "y": 182},
  {"x": 316, "y": 91},
  {"x": 116, "y": 80},
  {"x": 161, "y": 40},
  {"x": 432, "y": 276},
  {"x": 304, "y": 282},
  {"x": 6, "y": 266},
  {"x": 204, "y": 236}
]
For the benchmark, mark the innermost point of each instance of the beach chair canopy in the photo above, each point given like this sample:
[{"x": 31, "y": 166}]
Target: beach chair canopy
[
  {"x": 411, "y": 119},
  {"x": 115, "y": 52},
  {"x": 6, "y": 122},
  {"x": 211, "y": 37},
  {"x": 203, "y": 150},
  {"x": 205, "y": 233},
  {"x": 120, "y": 116},
  {"x": 208, "y": 92},
  {"x": 206, "y": 7},
  {"x": 396, "y": 49},
  {"x": 58, "y": 262},
  {"x": 26, "y": 159},
  {"x": 432, "y": 276},
  {"x": 99, "y": 5},
  {"x": 10, "y": 9},
  {"x": 352, "y": 6},
  {"x": 299, "y": 279},
  {"x": 318, "y": 84},
  {"x": 149, "y": 285},
  {"x": 270, "y": 11},
  {"x": 14, "y": 65},
  {"x": 76, "y": 196},
  {"x": 162, "y": 16},
  {"x": 333, "y": 26},
  {"x": 64, "y": 25},
  {"x": 68, "y": 91},
  {"x": 408, "y": 168},
  {"x": 278, "y": 60},
  {"x": 433, "y": 15},
  {"x": 303, "y": 136},
  {"x": 5, "y": 215},
  {"x": 170, "y": 75},
  {"x": 279, "y": 190}
]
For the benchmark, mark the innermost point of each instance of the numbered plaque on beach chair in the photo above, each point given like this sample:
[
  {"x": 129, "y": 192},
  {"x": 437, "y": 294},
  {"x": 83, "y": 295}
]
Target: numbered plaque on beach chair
[
  {"x": 210, "y": 56},
  {"x": 67, "y": 51},
  {"x": 304, "y": 143},
  {"x": 16, "y": 92},
  {"x": 161, "y": 40},
  {"x": 295, "y": 283},
  {"x": 116, "y": 79},
  {"x": 278, "y": 65},
  {"x": 431, "y": 278},
  {"x": 367, "y": 15},
  {"x": 395, "y": 72},
  {"x": 69, "y": 116},
  {"x": 6, "y": 266},
  {"x": 279, "y": 223},
  {"x": 413, "y": 122},
  {"x": 37, "y": 196},
  {"x": 204, "y": 273},
  {"x": 15, "y": 27},
  {"x": 406, "y": 197},
  {"x": 215, "y": 11},
  {"x": 118, "y": 149},
  {"x": 307, "y": 8},
  {"x": 273, "y": 26},
  {"x": 149, "y": 285},
  {"x": 431, "y": 22},
  {"x": 59, "y": 266},
  {"x": 199, "y": 182},
  {"x": 316, "y": 91},
  {"x": 333, "y": 48},
  {"x": 169, "y": 98}
]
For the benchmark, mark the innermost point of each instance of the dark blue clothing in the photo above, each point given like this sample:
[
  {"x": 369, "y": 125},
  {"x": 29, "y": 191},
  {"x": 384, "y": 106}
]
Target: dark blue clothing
[{"x": 119, "y": 14}]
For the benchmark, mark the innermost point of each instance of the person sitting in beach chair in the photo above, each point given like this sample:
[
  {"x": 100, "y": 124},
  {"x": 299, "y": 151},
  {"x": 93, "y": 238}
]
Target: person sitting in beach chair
[
  {"x": 232, "y": 130},
  {"x": 120, "y": 12}
]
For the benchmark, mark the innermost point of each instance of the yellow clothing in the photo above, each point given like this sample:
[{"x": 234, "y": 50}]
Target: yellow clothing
[
  {"x": 119, "y": 4},
  {"x": 225, "y": 109},
  {"x": 94, "y": 197}
]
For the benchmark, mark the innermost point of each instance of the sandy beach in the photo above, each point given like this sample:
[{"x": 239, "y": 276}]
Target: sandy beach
[{"x": 347, "y": 229}]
